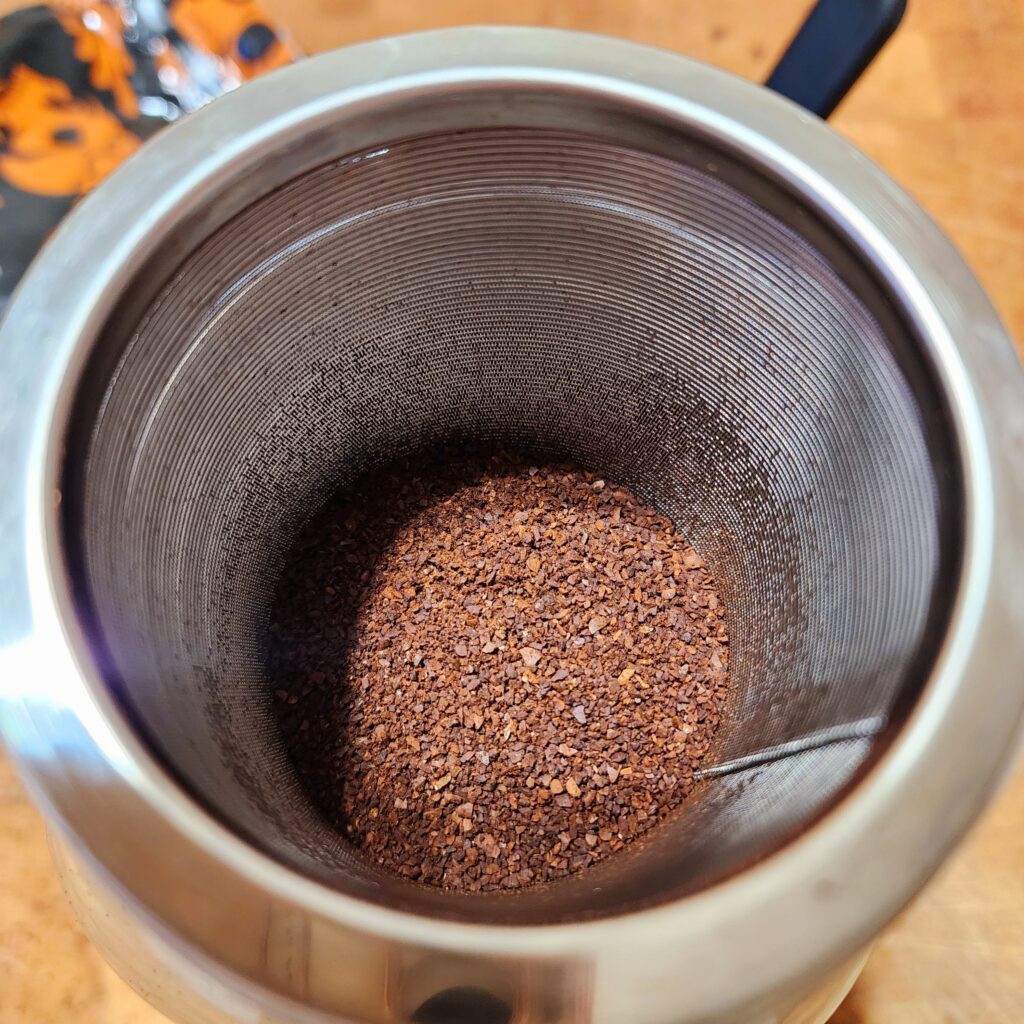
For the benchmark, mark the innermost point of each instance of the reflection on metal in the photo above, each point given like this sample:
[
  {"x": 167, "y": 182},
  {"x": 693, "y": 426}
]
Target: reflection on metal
[{"x": 865, "y": 729}]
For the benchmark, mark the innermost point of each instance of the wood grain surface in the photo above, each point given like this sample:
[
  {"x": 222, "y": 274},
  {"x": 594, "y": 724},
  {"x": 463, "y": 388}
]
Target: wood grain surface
[{"x": 943, "y": 111}]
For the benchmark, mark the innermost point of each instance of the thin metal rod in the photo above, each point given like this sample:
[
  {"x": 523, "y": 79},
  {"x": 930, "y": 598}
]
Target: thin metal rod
[{"x": 865, "y": 728}]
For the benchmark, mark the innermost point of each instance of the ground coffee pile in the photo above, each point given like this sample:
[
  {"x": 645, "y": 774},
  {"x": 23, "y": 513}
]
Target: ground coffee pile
[{"x": 492, "y": 674}]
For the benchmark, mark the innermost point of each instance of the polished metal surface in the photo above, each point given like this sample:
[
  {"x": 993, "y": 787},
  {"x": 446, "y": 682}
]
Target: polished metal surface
[
  {"x": 597, "y": 250},
  {"x": 597, "y": 304}
]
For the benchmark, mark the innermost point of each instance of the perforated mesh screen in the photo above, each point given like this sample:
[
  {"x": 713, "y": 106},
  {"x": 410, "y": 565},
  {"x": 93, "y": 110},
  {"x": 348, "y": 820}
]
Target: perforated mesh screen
[{"x": 609, "y": 306}]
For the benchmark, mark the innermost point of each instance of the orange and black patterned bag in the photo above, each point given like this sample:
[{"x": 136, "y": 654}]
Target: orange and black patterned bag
[{"x": 83, "y": 84}]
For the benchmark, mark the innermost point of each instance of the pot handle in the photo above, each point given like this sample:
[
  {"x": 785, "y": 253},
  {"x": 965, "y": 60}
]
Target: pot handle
[{"x": 832, "y": 49}]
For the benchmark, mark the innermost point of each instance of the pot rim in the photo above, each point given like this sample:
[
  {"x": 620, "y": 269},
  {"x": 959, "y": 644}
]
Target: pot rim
[{"x": 806, "y": 907}]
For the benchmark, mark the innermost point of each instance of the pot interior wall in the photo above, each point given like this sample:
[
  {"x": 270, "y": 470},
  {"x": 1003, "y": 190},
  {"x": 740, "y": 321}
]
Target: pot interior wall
[{"x": 630, "y": 312}]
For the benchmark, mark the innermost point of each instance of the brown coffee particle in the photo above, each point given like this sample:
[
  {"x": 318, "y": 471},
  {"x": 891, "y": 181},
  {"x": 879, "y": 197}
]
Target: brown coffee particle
[
  {"x": 491, "y": 674},
  {"x": 530, "y": 657}
]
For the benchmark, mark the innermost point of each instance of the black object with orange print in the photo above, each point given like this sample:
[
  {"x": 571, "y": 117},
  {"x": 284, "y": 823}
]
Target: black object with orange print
[
  {"x": 82, "y": 84},
  {"x": 237, "y": 31}
]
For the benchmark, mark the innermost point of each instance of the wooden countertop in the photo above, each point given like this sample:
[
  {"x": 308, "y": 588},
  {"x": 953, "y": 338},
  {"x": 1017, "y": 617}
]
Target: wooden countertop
[{"x": 943, "y": 111}]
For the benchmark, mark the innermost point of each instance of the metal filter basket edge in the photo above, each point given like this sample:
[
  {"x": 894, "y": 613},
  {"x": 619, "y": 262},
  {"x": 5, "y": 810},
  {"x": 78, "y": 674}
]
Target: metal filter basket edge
[{"x": 249, "y": 933}]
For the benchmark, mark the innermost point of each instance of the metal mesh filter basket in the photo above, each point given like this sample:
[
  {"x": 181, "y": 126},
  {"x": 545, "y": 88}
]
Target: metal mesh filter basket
[{"x": 659, "y": 314}]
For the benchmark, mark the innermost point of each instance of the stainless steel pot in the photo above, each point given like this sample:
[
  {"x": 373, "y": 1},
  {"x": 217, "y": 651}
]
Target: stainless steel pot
[{"x": 617, "y": 255}]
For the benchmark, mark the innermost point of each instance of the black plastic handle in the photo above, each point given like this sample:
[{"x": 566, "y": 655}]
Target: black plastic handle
[{"x": 832, "y": 49}]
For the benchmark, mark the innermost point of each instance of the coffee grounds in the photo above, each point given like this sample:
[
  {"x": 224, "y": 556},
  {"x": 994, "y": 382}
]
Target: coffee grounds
[{"x": 491, "y": 674}]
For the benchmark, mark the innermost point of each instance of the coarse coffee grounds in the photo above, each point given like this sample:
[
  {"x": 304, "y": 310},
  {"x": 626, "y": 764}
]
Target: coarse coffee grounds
[{"x": 492, "y": 674}]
